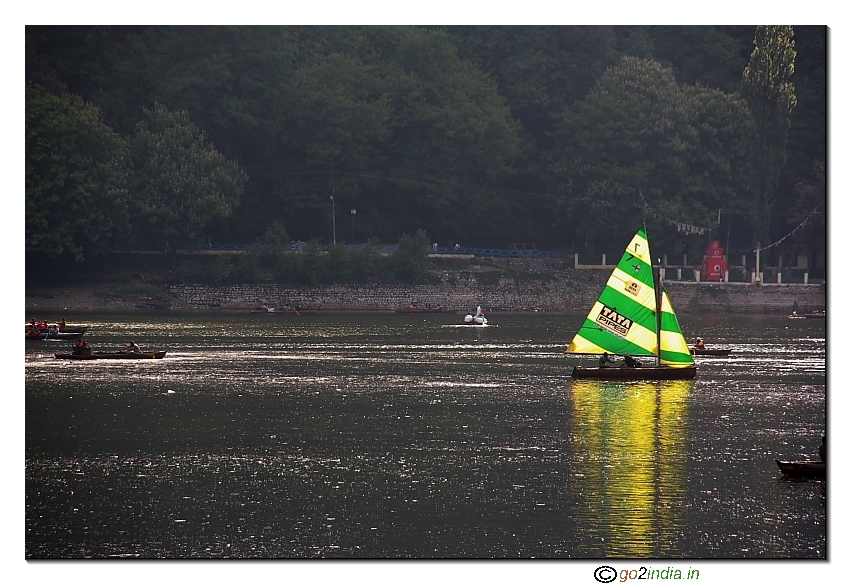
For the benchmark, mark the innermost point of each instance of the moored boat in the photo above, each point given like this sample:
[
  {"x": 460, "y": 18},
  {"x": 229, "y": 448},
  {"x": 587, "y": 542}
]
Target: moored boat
[
  {"x": 633, "y": 317},
  {"x": 113, "y": 355},
  {"x": 802, "y": 469}
]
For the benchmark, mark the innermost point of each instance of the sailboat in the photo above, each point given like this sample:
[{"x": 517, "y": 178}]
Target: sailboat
[{"x": 634, "y": 317}]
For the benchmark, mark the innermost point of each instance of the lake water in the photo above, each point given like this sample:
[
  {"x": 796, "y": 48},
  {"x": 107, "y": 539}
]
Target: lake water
[{"x": 376, "y": 435}]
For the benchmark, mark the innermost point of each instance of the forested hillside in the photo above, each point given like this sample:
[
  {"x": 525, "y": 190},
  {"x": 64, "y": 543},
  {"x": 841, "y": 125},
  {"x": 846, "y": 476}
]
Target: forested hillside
[{"x": 567, "y": 137}]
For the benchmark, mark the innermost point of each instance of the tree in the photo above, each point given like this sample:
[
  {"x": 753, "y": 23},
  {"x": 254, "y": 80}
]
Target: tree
[
  {"x": 180, "y": 181},
  {"x": 410, "y": 261},
  {"x": 76, "y": 176},
  {"x": 640, "y": 133},
  {"x": 770, "y": 94}
]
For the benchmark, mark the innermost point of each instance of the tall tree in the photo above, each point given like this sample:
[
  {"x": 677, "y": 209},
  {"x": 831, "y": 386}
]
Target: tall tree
[
  {"x": 640, "y": 132},
  {"x": 180, "y": 181},
  {"x": 770, "y": 94},
  {"x": 76, "y": 176}
]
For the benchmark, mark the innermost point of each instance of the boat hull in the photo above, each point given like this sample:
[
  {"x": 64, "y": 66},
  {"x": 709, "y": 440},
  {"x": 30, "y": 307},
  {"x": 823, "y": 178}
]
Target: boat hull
[
  {"x": 802, "y": 469},
  {"x": 711, "y": 352},
  {"x": 638, "y": 374},
  {"x": 113, "y": 355}
]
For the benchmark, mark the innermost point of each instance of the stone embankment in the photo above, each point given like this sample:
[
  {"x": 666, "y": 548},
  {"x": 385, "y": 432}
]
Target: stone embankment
[{"x": 536, "y": 285}]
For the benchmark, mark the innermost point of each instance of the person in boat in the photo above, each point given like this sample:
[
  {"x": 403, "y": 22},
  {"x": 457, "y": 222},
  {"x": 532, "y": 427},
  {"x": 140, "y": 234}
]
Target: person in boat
[
  {"x": 53, "y": 332},
  {"x": 822, "y": 449},
  {"x": 630, "y": 362},
  {"x": 63, "y": 323},
  {"x": 699, "y": 344},
  {"x": 132, "y": 347},
  {"x": 80, "y": 347},
  {"x": 468, "y": 317},
  {"x": 605, "y": 360}
]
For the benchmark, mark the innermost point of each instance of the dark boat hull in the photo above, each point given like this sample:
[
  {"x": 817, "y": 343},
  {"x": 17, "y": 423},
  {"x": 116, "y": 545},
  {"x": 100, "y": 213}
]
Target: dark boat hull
[
  {"x": 802, "y": 469},
  {"x": 113, "y": 355},
  {"x": 638, "y": 374},
  {"x": 711, "y": 352}
]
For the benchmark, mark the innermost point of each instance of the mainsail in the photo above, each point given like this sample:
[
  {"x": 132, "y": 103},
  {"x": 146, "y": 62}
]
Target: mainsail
[{"x": 623, "y": 320}]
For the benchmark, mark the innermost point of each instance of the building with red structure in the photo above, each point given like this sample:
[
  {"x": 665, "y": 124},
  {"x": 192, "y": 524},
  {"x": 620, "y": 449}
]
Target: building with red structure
[{"x": 714, "y": 266}]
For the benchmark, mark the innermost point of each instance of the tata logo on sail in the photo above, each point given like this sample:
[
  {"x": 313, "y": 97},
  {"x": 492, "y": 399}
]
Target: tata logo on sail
[{"x": 614, "y": 322}]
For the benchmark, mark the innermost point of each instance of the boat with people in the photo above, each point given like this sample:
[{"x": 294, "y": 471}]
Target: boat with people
[
  {"x": 118, "y": 354},
  {"x": 63, "y": 326},
  {"x": 700, "y": 349},
  {"x": 479, "y": 319},
  {"x": 633, "y": 318}
]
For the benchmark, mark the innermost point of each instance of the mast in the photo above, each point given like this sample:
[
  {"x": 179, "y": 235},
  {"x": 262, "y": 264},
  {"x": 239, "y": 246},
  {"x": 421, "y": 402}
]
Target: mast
[{"x": 656, "y": 276}]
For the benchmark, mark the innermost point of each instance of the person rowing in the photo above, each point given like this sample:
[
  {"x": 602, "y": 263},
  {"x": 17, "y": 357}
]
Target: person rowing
[{"x": 132, "y": 347}]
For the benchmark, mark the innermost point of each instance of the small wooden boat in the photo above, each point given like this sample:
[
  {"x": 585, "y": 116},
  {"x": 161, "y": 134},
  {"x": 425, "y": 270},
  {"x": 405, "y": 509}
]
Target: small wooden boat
[
  {"x": 641, "y": 373},
  {"x": 113, "y": 355},
  {"x": 803, "y": 469},
  {"x": 711, "y": 352}
]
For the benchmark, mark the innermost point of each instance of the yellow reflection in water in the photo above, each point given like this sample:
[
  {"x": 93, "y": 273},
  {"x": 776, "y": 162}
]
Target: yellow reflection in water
[{"x": 631, "y": 454}]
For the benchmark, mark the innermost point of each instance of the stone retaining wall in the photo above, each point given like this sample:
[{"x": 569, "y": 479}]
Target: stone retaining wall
[{"x": 555, "y": 289}]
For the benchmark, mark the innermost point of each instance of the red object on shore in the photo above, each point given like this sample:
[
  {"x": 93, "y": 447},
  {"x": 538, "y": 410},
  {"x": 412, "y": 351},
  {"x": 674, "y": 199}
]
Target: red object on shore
[{"x": 714, "y": 266}]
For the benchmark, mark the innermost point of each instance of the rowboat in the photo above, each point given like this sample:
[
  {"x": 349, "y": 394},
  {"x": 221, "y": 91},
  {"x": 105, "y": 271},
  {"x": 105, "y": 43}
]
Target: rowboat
[
  {"x": 803, "y": 469},
  {"x": 711, "y": 352},
  {"x": 634, "y": 316},
  {"x": 112, "y": 355}
]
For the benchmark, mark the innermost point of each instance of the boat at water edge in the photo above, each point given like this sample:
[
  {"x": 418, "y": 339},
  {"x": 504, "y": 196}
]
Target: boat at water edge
[{"x": 633, "y": 316}]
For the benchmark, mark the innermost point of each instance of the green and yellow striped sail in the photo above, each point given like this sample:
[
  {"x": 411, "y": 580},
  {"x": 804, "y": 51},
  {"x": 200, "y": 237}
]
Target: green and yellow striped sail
[
  {"x": 623, "y": 319},
  {"x": 674, "y": 348}
]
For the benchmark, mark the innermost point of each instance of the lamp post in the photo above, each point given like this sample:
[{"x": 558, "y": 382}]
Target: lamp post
[
  {"x": 353, "y": 213},
  {"x": 333, "y": 215}
]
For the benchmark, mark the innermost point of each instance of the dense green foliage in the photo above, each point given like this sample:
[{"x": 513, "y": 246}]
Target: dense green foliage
[{"x": 165, "y": 136}]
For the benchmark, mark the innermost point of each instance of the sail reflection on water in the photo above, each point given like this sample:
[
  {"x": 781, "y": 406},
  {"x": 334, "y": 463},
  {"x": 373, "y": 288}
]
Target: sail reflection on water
[{"x": 631, "y": 464}]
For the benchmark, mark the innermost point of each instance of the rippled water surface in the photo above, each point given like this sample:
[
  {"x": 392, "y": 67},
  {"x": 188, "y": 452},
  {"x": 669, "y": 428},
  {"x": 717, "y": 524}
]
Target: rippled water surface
[{"x": 416, "y": 436}]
